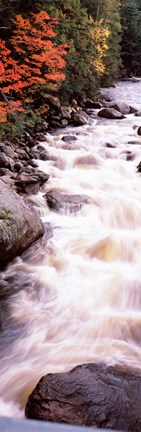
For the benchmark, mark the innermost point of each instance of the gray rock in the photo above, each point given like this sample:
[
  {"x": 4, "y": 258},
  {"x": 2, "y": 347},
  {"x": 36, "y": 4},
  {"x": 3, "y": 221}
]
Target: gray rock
[
  {"x": 68, "y": 138},
  {"x": 110, "y": 113},
  {"x": 91, "y": 395},
  {"x": 80, "y": 118},
  {"x": 4, "y": 160},
  {"x": 122, "y": 107},
  {"x": 138, "y": 114},
  {"x": 7, "y": 149},
  {"x": 65, "y": 113},
  {"x": 19, "y": 226},
  {"x": 61, "y": 202}
]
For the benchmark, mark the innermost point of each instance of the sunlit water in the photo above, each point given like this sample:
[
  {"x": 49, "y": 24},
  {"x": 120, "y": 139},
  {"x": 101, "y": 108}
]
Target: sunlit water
[{"x": 77, "y": 295}]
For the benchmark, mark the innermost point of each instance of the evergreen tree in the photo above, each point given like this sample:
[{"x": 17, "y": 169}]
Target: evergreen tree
[{"x": 131, "y": 36}]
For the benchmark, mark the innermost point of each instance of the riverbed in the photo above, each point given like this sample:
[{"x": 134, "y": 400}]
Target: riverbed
[{"x": 76, "y": 294}]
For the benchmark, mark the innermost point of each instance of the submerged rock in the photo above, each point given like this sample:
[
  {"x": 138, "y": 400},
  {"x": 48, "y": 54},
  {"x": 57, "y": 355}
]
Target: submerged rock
[
  {"x": 110, "y": 113},
  {"x": 91, "y": 395},
  {"x": 59, "y": 201},
  {"x": 19, "y": 225}
]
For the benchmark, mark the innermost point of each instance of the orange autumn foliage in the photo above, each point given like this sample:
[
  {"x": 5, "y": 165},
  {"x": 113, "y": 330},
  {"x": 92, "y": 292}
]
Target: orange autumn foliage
[
  {"x": 37, "y": 61},
  {"x": 10, "y": 80},
  {"x": 40, "y": 59}
]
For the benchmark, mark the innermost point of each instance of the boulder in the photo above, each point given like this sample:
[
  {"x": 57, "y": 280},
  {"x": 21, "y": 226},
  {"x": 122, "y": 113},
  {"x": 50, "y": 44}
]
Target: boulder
[
  {"x": 68, "y": 138},
  {"x": 91, "y": 395},
  {"x": 54, "y": 102},
  {"x": 80, "y": 118},
  {"x": 59, "y": 201},
  {"x": 65, "y": 113},
  {"x": 138, "y": 114},
  {"x": 19, "y": 226},
  {"x": 139, "y": 167},
  {"x": 91, "y": 104},
  {"x": 122, "y": 107},
  {"x": 139, "y": 130},
  {"x": 110, "y": 113}
]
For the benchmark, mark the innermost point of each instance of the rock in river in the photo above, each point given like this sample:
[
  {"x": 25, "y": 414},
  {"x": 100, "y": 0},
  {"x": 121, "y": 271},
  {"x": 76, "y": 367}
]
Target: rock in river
[
  {"x": 110, "y": 113},
  {"x": 61, "y": 202},
  {"x": 19, "y": 225},
  {"x": 91, "y": 395}
]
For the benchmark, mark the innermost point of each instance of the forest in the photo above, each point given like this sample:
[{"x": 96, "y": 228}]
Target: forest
[{"x": 64, "y": 47}]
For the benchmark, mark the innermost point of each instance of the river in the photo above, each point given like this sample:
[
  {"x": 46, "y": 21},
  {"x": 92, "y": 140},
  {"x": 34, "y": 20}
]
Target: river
[{"x": 76, "y": 296}]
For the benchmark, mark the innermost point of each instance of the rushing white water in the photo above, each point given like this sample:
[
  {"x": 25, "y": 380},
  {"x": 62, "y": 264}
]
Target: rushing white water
[{"x": 77, "y": 295}]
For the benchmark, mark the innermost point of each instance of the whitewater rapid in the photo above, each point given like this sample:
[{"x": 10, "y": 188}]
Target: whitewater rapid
[{"x": 77, "y": 293}]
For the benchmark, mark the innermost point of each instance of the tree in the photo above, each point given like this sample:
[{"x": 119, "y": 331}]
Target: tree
[
  {"x": 109, "y": 12},
  {"x": 131, "y": 36},
  {"x": 10, "y": 81},
  {"x": 35, "y": 63},
  {"x": 40, "y": 60}
]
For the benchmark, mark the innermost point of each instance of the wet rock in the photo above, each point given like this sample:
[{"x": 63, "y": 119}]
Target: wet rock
[
  {"x": 68, "y": 138},
  {"x": 19, "y": 226},
  {"x": 139, "y": 130},
  {"x": 44, "y": 155},
  {"x": 139, "y": 167},
  {"x": 138, "y": 114},
  {"x": 33, "y": 164},
  {"x": 91, "y": 395},
  {"x": 43, "y": 177},
  {"x": 80, "y": 118},
  {"x": 110, "y": 113},
  {"x": 130, "y": 156},
  {"x": 122, "y": 107},
  {"x": 30, "y": 180},
  {"x": 133, "y": 110},
  {"x": 110, "y": 145},
  {"x": 59, "y": 201}
]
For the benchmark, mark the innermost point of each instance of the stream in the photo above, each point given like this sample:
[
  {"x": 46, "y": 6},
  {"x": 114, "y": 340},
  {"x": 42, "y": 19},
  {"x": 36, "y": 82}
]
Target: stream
[{"x": 75, "y": 295}]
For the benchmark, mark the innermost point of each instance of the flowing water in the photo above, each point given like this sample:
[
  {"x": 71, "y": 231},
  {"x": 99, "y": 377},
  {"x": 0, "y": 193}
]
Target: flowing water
[{"x": 75, "y": 296}]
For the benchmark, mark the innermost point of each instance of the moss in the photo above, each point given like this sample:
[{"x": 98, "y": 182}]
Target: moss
[{"x": 5, "y": 215}]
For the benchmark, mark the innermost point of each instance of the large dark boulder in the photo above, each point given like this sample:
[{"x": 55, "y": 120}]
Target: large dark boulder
[
  {"x": 61, "y": 202},
  {"x": 91, "y": 395},
  {"x": 110, "y": 113},
  {"x": 19, "y": 225}
]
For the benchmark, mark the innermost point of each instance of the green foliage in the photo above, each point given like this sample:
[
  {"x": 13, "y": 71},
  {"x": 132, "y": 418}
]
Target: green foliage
[
  {"x": 16, "y": 127},
  {"x": 131, "y": 36}
]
